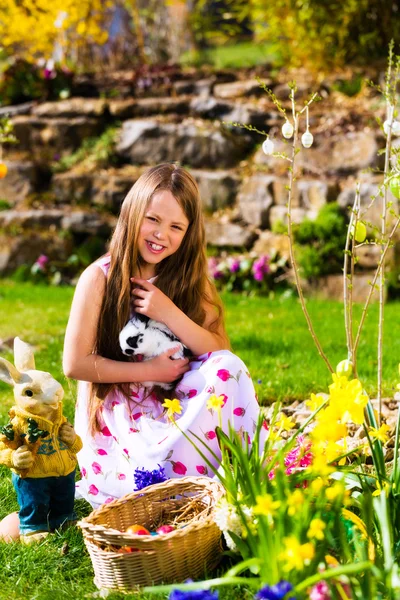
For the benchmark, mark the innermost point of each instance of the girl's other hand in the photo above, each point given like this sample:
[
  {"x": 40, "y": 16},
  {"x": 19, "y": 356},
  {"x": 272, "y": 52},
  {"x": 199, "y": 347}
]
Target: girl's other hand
[
  {"x": 149, "y": 300},
  {"x": 167, "y": 370}
]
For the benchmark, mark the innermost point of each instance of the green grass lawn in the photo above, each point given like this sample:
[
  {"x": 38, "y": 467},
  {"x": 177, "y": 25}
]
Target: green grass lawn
[
  {"x": 269, "y": 334},
  {"x": 236, "y": 55}
]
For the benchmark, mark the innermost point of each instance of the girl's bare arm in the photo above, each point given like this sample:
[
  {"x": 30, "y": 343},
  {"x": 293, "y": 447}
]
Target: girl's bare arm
[
  {"x": 152, "y": 302},
  {"x": 79, "y": 362}
]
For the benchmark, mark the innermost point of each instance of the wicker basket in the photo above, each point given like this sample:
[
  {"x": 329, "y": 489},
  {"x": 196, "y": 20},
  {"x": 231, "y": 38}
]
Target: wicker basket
[{"x": 188, "y": 551}]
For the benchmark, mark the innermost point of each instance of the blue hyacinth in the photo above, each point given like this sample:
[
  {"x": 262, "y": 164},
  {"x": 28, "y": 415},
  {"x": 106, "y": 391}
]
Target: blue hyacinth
[
  {"x": 143, "y": 478},
  {"x": 275, "y": 592},
  {"x": 193, "y": 595}
]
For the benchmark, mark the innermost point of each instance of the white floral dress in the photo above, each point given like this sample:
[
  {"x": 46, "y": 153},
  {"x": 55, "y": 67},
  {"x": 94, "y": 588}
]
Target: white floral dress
[{"x": 137, "y": 433}]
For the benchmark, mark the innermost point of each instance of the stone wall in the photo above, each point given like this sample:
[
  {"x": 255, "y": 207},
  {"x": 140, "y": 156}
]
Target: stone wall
[{"x": 243, "y": 191}]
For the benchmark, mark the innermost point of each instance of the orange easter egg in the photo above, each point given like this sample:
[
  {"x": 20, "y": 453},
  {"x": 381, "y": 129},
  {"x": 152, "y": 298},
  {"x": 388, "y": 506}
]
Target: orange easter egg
[
  {"x": 3, "y": 170},
  {"x": 137, "y": 530}
]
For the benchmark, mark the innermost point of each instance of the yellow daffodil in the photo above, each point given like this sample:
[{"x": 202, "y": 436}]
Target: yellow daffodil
[
  {"x": 266, "y": 505},
  {"x": 317, "y": 485},
  {"x": 296, "y": 555},
  {"x": 320, "y": 466},
  {"x": 380, "y": 434},
  {"x": 347, "y": 399},
  {"x": 334, "y": 491},
  {"x": 316, "y": 529},
  {"x": 215, "y": 402},
  {"x": 284, "y": 423},
  {"x": 295, "y": 501},
  {"x": 381, "y": 490},
  {"x": 314, "y": 402},
  {"x": 173, "y": 407}
]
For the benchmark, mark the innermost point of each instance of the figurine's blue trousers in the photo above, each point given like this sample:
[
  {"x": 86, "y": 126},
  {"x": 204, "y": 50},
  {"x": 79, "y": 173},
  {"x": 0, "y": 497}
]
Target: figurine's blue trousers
[{"x": 45, "y": 503}]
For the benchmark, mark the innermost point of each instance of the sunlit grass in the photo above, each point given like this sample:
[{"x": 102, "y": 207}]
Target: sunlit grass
[
  {"x": 269, "y": 334},
  {"x": 232, "y": 56}
]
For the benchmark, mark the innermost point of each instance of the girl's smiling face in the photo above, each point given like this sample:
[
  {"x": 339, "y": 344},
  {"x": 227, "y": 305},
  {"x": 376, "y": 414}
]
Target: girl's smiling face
[{"x": 162, "y": 231}]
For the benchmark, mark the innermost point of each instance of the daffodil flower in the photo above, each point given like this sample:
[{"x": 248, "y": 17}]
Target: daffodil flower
[
  {"x": 173, "y": 407},
  {"x": 296, "y": 555},
  {"x": 380, "y": 434},
  {"x": 215, "y": 402},
  {"x": 285, "y": 423},
  {"x": 266, "y": 505},
  {"x": 316, "y": 529}
]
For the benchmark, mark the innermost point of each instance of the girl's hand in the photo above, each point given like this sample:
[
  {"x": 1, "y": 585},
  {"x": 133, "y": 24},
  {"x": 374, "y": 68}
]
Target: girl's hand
[
  {"x": 149, "y": 300},
  {"x": 166, "y": 370}
]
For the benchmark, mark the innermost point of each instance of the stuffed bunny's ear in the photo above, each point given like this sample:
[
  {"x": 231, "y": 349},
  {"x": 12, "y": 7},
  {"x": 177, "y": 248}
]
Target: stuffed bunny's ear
[
  {"x": 23, "y": 356},
  {"x": 8, "y": 373}
]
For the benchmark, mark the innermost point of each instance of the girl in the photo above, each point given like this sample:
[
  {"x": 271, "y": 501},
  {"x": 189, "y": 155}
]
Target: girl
[{"x": 157, "y": 267}]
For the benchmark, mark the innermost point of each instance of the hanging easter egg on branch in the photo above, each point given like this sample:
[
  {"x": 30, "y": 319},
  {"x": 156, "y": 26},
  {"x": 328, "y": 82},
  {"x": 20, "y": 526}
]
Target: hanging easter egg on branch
[
  {"x": 344, "y": 368},
  {"x": 360, "y": 232},
  {"x": 287, "y": 130},
  {"x": 395, "y": 127},
  {"x": 307, "y": 139},
  {"x": 268, "y": 147},
  {"x": 3, "y": 170},
  {"x": 394, "y": 185}
]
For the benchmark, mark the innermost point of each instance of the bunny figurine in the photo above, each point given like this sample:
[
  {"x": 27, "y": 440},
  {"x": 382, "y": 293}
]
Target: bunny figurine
[{"x": 39, "y": 445}]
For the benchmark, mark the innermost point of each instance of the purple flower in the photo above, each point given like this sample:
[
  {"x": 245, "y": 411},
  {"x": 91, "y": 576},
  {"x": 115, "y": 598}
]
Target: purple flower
[
  {"x": 234, "y": 267},
  {"x": 275, "y": 592},
  {"x": 193, "y": 595},
  {"x": 261, "y": 267},
  {"x": 42, "y": 261},
  {"x": 143, "y": 478}
]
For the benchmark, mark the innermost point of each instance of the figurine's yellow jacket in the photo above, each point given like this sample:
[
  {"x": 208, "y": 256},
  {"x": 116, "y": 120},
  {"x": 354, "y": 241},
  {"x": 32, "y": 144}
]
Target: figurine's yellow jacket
[{"x": 53, "y": 458}]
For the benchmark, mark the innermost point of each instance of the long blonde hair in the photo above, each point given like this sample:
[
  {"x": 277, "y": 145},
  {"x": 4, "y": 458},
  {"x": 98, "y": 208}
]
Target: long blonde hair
[{"x": 182, "y": 276}]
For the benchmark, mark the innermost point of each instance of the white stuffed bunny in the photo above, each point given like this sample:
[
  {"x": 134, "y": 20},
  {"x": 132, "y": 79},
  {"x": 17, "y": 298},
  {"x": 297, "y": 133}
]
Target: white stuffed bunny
[{"x": 39, "y": 445}]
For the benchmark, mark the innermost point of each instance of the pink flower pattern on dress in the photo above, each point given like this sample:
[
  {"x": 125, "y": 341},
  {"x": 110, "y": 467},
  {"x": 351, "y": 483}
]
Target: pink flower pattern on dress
[
  {"x": 224, "y": 374},
  {"x": 192, "y": 393},
  {"x": 178, "y": 467},
  {"x": 202, "y": 469},
  {"x": 106, "y": 432},
  {"x": 121, "y": 476},
  {"x": 93, "y": 490},
  {"x": 102, "y": 452},
  {"x": 210, "y": 435},
  {"x": 96, "y": 468},
  {"x": 239, "y": 411}
]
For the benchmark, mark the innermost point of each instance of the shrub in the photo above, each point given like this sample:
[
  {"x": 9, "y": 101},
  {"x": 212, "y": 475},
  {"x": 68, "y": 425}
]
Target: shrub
[
  {"x": 321, "y": 242},
  {"x": 95, "y": 152}
]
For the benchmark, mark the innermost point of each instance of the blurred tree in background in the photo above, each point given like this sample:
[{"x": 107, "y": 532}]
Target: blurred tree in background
[
  {"x": 316, "y": 33},
  {"x": 31, "y": 29},
  {"x": 101, "y": 34}
]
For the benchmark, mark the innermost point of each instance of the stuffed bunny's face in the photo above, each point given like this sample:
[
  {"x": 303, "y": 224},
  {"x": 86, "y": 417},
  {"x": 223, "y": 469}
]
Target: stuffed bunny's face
[{"x": 34, "y": 391}]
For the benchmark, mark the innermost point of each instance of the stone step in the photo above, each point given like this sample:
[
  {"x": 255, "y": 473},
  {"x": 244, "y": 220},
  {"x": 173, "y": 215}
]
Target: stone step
[{"x": 75, "y": 222}]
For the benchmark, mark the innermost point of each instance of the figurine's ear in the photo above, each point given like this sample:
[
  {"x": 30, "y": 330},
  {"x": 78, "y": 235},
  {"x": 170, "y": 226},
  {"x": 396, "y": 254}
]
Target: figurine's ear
[
  {"x": 8, "y": 373},
  {"x": 23, "y": 356}
]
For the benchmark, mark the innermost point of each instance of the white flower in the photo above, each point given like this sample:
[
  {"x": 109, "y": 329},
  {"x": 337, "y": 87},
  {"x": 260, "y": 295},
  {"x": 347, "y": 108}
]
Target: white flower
[{"x": 229, "y": 521}]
